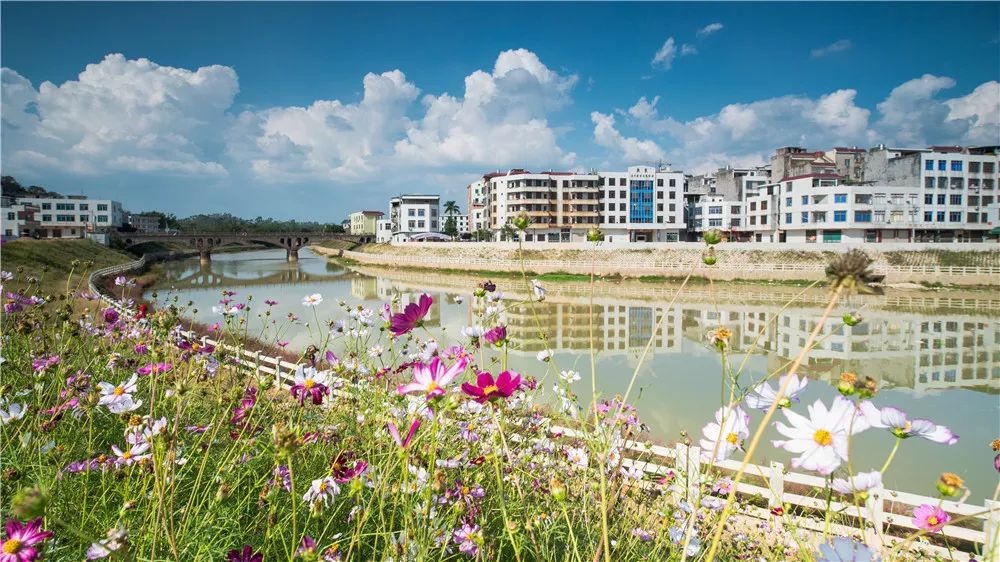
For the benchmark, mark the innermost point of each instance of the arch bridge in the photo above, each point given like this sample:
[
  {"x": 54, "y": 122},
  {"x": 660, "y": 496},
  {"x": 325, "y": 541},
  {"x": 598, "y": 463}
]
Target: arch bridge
[{"x": 205, "y": 242}]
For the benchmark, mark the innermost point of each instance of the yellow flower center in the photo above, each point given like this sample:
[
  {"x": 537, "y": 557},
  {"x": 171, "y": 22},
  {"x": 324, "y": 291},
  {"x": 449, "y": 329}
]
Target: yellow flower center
[
  {"x": 432, "y": 387},
  {"x": 309, "y": 384},
  {"x": 932, "y": 520},
  {"x": 196, "y": 346},
  {"x": 119, "y": 391},
  {"x": 823, "y": 437},
  {"x": 491, "y": 389},
  {"x": 465, "y": 490},
  {"x": 127, "y": 455},
  {"x": 12, "y": 546},
  {"x": 323, "y": 486},
  {"x": 732, "y": 438}
]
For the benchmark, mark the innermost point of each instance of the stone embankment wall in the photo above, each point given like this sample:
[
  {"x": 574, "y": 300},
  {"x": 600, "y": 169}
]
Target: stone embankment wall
[{"x": 968, "y": 264}]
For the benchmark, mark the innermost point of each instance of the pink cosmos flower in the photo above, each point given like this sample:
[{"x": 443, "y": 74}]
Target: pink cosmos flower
[
  {"x": 486, "y": 388},
  {"x": 110, "y": 315},
  {"x": 930, "y": 518},
  {"x": 496, "y": 336},
  {"x": 394, "y": 432},
  {"x": 411, "y": 317},
  {"x": 431, "y": 378},
  {"x": 245, "y": 554},
  {"x": 19, "y": 544},
  {"x": 154, "y": 368},
  {"x": 310, "y": 383}
]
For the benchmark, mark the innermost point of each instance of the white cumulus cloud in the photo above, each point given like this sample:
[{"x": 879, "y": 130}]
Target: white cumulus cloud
[
  {"x": 709, "y": 29},
  {"x": 664, "y": 57},
  {"x": 835, "y": 47},
  {"x": 631, "y": 149}
]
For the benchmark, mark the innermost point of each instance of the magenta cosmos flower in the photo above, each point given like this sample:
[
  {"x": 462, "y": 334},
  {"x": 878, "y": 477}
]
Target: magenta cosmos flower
[
  {"x": 486, "y": 388},
  {"x": 930, "y": 518},
  {"x": 411, "y": 317},
  {"x": 431, "y": 378},
  {"x": 245, "y": 554},
  {"x": 154, "y": 369},
  {"x": 496, "y": 336},
  {"x": 19, "y": 545}
]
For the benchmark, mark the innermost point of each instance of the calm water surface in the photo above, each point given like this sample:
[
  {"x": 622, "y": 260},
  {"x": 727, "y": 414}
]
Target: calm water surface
[{"x": 936, "y": 355}]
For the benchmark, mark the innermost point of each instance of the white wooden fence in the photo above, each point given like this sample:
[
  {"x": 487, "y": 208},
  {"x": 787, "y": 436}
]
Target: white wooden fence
[{"x": 885, "y": 514}]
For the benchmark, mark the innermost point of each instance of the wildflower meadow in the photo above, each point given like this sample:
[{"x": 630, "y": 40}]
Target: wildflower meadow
[{"x": 125, "y": 436}]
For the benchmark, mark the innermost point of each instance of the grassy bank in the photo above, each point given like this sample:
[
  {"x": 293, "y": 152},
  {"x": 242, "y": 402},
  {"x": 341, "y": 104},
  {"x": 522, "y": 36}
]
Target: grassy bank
[{"x": 50, "y": 261}]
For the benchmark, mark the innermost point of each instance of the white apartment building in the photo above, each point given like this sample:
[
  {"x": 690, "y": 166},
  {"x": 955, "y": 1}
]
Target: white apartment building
[
  {"x": 461, "y": 221},
  {"x": 414, "y": 214},
  {"x": 957, "y": 186},
  {"x": 18, "y": 219},
  {"x": 715, "y": 212},
  {"x": 73, "y": 216},
  {"x": 642, "y": 204},
  {"x": 383, "y": 231},
  {"x": 562, "y": 206},
  {"x": 476, "y": 192}
]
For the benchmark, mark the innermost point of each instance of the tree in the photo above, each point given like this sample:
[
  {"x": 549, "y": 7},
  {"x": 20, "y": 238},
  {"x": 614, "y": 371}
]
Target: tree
[
  {"x": 508, "y": 232},
  {"x": 450, "y": 227},
  {"x": 450, "y": 208}
]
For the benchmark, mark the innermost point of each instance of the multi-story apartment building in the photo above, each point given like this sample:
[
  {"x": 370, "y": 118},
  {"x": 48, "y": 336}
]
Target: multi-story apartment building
[
  {"x": 414, "y": 214},
  {"x": 365, "y": 222},
  {"x": 19, "y": 219},
  {"x": 716, "y": 212},
  {"x": 562, "y": 206},
  {"x": 957, "y": 186},
  {"x": 792, "y": 161},
  {"x": 383, "y": 231},
  {"x": 849, "y": 162},
  {"x": 476, "y": 192},
  {"x": 73, "y": 216},
  {"x": 144, "y": 222},
  {"x": 643, "y": 204},
  {"x": 461, "y": 221}
]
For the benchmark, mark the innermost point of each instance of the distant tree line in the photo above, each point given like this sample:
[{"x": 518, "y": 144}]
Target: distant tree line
[{"x": 12, "y": 188}]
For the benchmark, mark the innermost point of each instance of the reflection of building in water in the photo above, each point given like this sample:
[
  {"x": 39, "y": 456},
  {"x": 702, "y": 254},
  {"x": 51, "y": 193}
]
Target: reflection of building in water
[
  {"x": 898, "y": 350},
  {"x": 371, "y": 288},
  {"x": 571, "y": 326}
]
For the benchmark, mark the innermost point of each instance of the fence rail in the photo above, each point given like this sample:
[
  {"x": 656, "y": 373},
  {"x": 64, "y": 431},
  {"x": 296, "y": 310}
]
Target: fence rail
[
  {"x": 638, "y": 263},
  {"x": 884, "y": 516}
]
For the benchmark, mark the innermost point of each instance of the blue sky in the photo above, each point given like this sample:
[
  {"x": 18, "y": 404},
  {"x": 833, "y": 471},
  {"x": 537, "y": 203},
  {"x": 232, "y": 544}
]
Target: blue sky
[{"x": 265, "y": 108}]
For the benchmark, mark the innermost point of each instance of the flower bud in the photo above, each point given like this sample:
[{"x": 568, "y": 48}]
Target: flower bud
[
  {"x": 709, "y": 257},
  {"x": 851, "y": 319},
  {"x": 595, "y": 235},
  {"x": 557, "y": 489},
  {"x": 712, "y": 237},
  {"x": 847, "y": 384},
  {"x": 521, "y": 221},
  {"x": 949, "y": 484}
]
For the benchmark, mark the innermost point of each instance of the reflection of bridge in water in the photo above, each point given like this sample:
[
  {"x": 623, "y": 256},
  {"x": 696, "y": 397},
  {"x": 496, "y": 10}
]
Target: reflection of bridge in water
[{"x": 209, "y": 276}]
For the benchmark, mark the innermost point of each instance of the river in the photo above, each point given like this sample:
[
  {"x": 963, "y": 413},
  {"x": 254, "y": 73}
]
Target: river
[{"x": 936, "y": 355}]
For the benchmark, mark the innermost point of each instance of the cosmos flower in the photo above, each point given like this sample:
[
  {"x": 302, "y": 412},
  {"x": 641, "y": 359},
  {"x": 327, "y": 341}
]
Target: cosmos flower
[
  {"x": 310, "y": 383},
  {"x": 821, "y": 439},
  {"x": 20, "y": 540},
  {"x": 486, "y": 388},
  {"x": 134, "y": 454},
  {"x": 544, "y": 355},
  {"x": 345, "y": 467},
  {"x": 11, "y": 412},
  {"x": 321, "y": 492},
  {"x": 430, "y": 379},
  {"x": 103, "y": 548},
  {"x": 844, "y": 549},
  {"x": 930, "y": 518},
  {"x": 412, "y": 316},
  {"x": 763, "y": 395},
  {"x": 726, "y": 434},
  {"x": 118, "y": 398},
  {"x": 496, "y": 336},
  {"x": 577, "y": 456},
  {"x": 394, "y": 432},
  {"x": 468, "y": 537},
  {"x": 245, "y": 554},
  {"x": 312, "y": 300},
  {"x": 569, "y": 376},
  {"x": 896, "y": 422},
  {"x": 538, "y": 290},
  {"x": 154, "y": 368},
  {"x": 859, "y": 484},
  {"x": 642, "y": 534},
  {"x": 110, "y": 315}
]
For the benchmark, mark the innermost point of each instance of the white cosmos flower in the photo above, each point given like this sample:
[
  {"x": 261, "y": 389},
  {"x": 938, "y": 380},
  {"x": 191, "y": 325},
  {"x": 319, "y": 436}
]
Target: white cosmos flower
[
  {"x": 544, "y": 355},
  {"x": 569, "y": 376},
  {"x": 577, "y": 456},
  {"x": 322, "y": 491},
  {"x": 763, "y": 395},
  {"x": 726, "y": 434},
  {"x": 11, "y": 412},
  {"x": 473, "y": 332},
  {"x": 859, "y": 483},
  {"x": 821, "y": 439},
  {"x": 896, "y": 421},
  {"x": 118, "y": 398},
  {"x": 312, "y": 300}
]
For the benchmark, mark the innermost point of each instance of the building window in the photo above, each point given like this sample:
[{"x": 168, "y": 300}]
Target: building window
[
  {"x": 659, "y": 195},
  {"x": 955, "y": 199},
  {"x": 673, "y": 183},
  {"x": 672, "y": 207},
  {"x": 987, "y": 167},
  {"x": 65, "y": 218},
  {"x": 928, "y": 164},
  {"x": 788, "y": 218},
  {"x": 621, "y": 194},
  {"x": 955, "y": 216},
  {"x": 974, "y": 167},
  {"x": 940, "y": 216},
  {"x": 840, "y": 216},
  {"x": 715, "y": 210},
  {"x": 928, "y": 216},
  {"x": 788, "y": 201},
  {"x": 956, "y": 165},
  {"x": 763, "y": 219},
  {"x": 928, "y": 199},
  {"x": 65, "y": 207},
  {"x": 412, "y": 224},
  {"x": 10, "y": 216},
  {"x": 831, "y": 236},
  {"x": 862, "y": 216},
  {"x": 641, "y": 201},
  {"x": 714, "y": 222},
  {"x": 942, "y": 165},
  {"x": 805, "y": 199},
  {"x": 753, "y": 205},
  {"x": 805, "y": 217},
  {"x": 46, "y": 218},
  {"x": 102, "y": 207},
  {"x": 940, "y": 198},
  {"x": 659, "y": 182},
  {"x": 929, "y": 181},
  {"x": 673, "y": 194},
  {"x": 46, "y": 206},
  {"x": 102, "y": 218},
  {"x": 840, "y": 198}
]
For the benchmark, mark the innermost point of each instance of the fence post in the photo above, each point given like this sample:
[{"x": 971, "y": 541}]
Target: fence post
[
  {"x": 991, "y": 532},
  {"x": 688, "y": 463},
  {"x": 874, "y": 515},
  {"x": 776, "y": 485}
]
